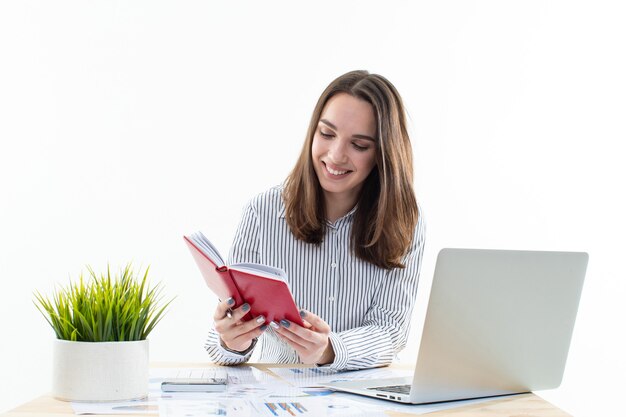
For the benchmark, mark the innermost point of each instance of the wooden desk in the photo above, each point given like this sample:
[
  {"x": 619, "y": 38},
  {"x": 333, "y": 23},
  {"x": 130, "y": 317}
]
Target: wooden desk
[{"x": 527, "y": 405}]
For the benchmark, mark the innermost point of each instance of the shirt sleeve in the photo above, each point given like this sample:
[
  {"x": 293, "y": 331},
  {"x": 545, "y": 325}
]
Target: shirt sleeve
[
  {"x": 245, "y": 248},
  {"x": 386, "y": 325}
]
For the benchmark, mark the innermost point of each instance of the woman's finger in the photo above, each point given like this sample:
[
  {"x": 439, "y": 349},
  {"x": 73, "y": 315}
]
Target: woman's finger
[
  {"x": 287, "y": 337},
  {"x": 297, "y": 334},
  {"x": 238, "y": 313},
  {"x": 316, "y": 322},
  {"x": 222, "y": 308},
  {"x": 232, "y": 319},
  {"x": 248, "y": 335}
]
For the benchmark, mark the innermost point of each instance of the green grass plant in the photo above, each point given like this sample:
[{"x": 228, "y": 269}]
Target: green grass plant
[{"x": 104, "y": 308}]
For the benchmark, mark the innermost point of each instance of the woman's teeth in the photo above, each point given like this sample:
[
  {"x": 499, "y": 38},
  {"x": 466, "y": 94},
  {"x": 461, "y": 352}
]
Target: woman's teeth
[{"x": 332, "y": 171}]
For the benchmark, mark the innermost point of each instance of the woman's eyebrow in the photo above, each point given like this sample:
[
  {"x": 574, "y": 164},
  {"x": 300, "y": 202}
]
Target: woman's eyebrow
[
  {"x": 357, "y": 136},
  {"x": 329, "y": 124}
]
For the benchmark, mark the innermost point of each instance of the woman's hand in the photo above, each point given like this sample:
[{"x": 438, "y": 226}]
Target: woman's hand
[
  {"x": 236, "y": 334},
  {"x": 310, "y": 342}
]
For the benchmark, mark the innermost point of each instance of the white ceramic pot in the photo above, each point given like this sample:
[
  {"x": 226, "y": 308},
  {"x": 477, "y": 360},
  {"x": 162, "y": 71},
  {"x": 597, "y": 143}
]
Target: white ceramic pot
[{"x": 100, "y": 371}]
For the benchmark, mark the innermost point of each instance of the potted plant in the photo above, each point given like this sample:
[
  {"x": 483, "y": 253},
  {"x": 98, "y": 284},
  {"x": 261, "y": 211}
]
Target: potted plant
[{"x": 101, "y": 325}]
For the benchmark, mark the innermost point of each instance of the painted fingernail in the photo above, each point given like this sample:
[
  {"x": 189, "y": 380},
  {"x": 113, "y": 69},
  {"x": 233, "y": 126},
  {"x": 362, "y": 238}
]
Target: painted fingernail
[
  {"x": 302, "y": 313},
  {"x": 274, "y": 325},
  {"x": 263, "y": 327},
  {"x": 285, "y": 323},
  {"x": 260, "y": 319},
  {"x": 245, "y": 307},
  {"x": 230, "y": 301}
]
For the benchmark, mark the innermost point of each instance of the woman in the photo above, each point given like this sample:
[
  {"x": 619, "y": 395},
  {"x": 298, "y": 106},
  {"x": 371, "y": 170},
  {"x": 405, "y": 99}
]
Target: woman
[{"x": 346, "y": 228}]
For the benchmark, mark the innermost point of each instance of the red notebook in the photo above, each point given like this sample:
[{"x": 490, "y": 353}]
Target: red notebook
[{"x": 263, "y": 287}]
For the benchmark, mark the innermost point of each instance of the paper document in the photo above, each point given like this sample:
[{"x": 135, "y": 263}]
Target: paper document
[
  {"x": 253, "y": 392},
  {"x": 312, "y": 377},
  {"x": 246, "y": 408},
  {"x": 243, "y": 382}
]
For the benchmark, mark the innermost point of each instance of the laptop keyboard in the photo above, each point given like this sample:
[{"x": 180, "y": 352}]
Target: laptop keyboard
[{"x": 398, "y": 389}]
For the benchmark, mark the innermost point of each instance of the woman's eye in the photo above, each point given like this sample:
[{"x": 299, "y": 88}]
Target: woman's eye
[
  {"x": 360, "y": 148},
  {"x": 326, "y": 134}
]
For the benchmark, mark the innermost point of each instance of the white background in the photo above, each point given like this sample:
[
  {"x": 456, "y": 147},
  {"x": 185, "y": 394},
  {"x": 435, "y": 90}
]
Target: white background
[{"x": 125, "y": 124}]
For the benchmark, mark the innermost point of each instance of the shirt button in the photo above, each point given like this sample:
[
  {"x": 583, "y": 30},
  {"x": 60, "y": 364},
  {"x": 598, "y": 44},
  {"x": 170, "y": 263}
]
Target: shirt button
[
  {"x": 334, "y": 265},
  {"x": 331, "y": 298}
]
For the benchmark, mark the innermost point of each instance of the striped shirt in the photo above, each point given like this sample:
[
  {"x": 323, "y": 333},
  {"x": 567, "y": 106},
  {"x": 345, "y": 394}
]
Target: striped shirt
[{"x": 368, "y": 308}]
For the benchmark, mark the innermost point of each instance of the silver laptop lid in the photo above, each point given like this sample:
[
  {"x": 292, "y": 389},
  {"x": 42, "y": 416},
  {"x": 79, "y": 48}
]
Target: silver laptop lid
[{"x": 498, "y": 322}]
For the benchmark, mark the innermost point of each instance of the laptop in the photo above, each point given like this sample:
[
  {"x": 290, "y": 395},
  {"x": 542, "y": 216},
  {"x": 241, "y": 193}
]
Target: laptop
[{"x": 498, "y": 322}]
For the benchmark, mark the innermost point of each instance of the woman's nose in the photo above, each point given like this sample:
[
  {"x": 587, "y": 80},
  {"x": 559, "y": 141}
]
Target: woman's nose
[{"x": 337, "y": 152}]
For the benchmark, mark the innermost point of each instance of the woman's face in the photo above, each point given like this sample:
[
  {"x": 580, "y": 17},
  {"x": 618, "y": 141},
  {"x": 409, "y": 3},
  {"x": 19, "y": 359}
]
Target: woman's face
[{"x": 344, "y": 147}]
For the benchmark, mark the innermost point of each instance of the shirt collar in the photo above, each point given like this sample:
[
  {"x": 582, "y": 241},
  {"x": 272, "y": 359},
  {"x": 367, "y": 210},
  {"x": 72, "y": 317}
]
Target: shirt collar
[{"x": 343, "y": 219}]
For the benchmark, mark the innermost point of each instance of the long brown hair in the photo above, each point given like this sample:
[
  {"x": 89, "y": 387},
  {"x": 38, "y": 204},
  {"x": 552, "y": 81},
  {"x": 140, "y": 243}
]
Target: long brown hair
[{"x": 387, "y": 212}]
